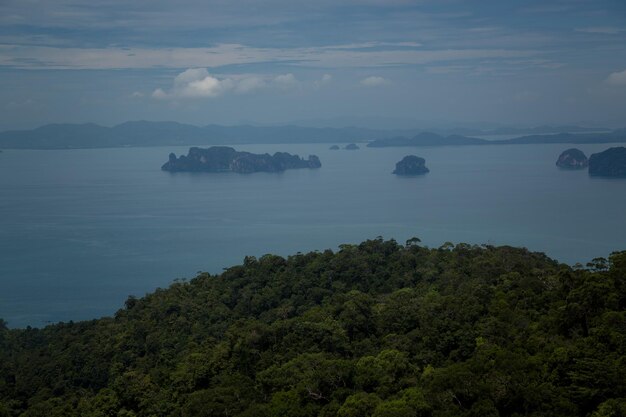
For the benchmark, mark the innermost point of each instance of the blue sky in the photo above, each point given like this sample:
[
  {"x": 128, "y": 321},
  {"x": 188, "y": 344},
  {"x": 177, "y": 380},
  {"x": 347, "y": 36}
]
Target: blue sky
[{"x": 279, "y": 61}]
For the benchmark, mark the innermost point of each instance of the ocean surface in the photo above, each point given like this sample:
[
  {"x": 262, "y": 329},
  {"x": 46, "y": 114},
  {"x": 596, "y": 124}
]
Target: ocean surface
[{"x": 81, "y": 230}]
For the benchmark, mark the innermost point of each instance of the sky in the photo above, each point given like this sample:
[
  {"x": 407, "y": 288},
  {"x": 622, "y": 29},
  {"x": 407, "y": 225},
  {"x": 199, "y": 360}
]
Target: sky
[{"x": 444, "y": 62}]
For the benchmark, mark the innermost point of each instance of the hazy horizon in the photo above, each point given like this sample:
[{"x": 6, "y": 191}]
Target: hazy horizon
[
  {"x": 426, "y": 62},
  {"x": 372, "y": 123}
]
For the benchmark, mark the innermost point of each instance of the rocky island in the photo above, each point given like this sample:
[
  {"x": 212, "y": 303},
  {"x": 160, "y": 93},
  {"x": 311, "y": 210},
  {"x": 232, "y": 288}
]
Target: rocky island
[
  {"x": 572, "y": 159},
  {"x": 227, "y": 159},
  {"x": 334, "y": 148},
  {"x": 411, "y": 165},
  {"x": 351, "y": 147},
  {"x": 610, "y": 163}
]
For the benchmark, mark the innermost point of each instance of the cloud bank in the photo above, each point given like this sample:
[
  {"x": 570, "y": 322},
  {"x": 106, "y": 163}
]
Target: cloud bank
[
  {"x": 326, "y": 79},
  {"x": 331, "y": 56},
  {"x": 374, "y": 81},
  {"x": 198, "y": 83},
  {"x": 617, "y": 78}
]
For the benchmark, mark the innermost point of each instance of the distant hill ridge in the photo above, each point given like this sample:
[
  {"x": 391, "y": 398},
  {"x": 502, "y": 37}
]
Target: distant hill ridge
[
  {"x": 434, "y": 139},
  {"x": 427, "y": 139},
  {"x": 145, "y": 133}
]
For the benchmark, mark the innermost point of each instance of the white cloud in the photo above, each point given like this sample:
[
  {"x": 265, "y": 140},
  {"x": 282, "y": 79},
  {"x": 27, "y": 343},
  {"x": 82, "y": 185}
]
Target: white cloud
[
  {"x": 248, "y": 84},
  {"x": 617, "y": 78},
  {"x": 326, "y": 79},
  {"x": 137, "y": 94},
  {"x": 159, "y": 94},
  {"x": 285, "y": 81},
  {"x": 196, "y": 83},
  {"x": 190, "y": 75},
  {"x": 374, "y": 81},
  {"x": 199, "y": 83}
]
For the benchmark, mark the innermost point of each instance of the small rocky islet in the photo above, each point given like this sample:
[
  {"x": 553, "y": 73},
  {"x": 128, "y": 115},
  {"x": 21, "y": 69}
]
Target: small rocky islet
[
  {"x": 572, "y": 159},
  {"x": 227, "y": 159},
  {"x": 411, "y": 165},
  {"x": 351, "y": 147}
]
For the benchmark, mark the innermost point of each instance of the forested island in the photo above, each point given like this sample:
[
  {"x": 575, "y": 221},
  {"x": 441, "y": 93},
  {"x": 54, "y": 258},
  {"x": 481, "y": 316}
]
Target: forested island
[
  {"x": 411, "y": 165},
  {"x": 572, "y": 159},
  {"x": 376, "y": 329},
  {"x": 609, "y": 163},
  {"x": 226, "y": 159}
]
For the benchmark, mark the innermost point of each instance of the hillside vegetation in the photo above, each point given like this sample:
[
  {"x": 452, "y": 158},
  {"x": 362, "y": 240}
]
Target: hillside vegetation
[{"x": 376, "y": 329}]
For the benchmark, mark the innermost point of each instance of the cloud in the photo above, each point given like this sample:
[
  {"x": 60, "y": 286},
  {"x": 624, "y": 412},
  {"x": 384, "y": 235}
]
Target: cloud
[
  {"x": 248, "y": 84},
  {"x": 285, "y": 81},
  {"x": 526, "y": 96},
  {"x": 331, "y": 56},
  {"x": 374, "y": 81},
  {"x": 617, "y": 78},
  {"x": 19, "y": 104},
  {"x": 369, "y": 45},
  {"x": 541, "y": 9},
  {"x": 137, "y": 94},
  {"x": 199, "y": 83},
  {"x": 450, "y": 69},
  {"x": 326, "y": 79},
  {"x": 159, "y": 94},
  {"x": 602, "y": 30},
  {"x": 483, "y": 29}
]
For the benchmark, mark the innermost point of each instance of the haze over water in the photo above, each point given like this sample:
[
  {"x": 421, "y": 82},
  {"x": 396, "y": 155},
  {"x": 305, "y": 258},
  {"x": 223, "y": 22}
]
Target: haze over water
[{"x": 80, "y": 230}]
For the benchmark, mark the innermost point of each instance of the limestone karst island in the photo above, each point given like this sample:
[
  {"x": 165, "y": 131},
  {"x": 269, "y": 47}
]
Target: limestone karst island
[{"x": 227, "y": 159}]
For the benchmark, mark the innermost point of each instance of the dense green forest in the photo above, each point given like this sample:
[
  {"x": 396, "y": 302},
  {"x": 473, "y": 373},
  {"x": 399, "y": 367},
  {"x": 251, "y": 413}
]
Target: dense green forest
[{"x": 376, "y": 329}]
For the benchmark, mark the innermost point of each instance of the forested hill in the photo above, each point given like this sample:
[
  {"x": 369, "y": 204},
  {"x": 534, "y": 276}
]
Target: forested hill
[{"x": 375, "y": 329}]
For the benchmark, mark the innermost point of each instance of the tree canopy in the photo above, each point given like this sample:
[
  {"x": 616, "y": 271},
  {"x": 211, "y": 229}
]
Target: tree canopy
[{"x": 375, "y": 329}]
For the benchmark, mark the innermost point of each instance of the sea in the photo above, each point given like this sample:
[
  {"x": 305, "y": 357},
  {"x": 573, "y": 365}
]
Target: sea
[{"x": 81, "y": 230}]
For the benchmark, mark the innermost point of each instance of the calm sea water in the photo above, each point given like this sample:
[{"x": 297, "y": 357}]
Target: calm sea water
[{"x": 80, "y": 230}]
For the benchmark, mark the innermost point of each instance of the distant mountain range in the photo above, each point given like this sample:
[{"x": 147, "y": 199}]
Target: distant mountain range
[
  {"x": 434, "y": 139},
  {"x": 538, "y": 130},
  {"x": 614, "y": 136},
  {"x": 143, "y": 133},
  {"x": 427, "y": 139}
]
